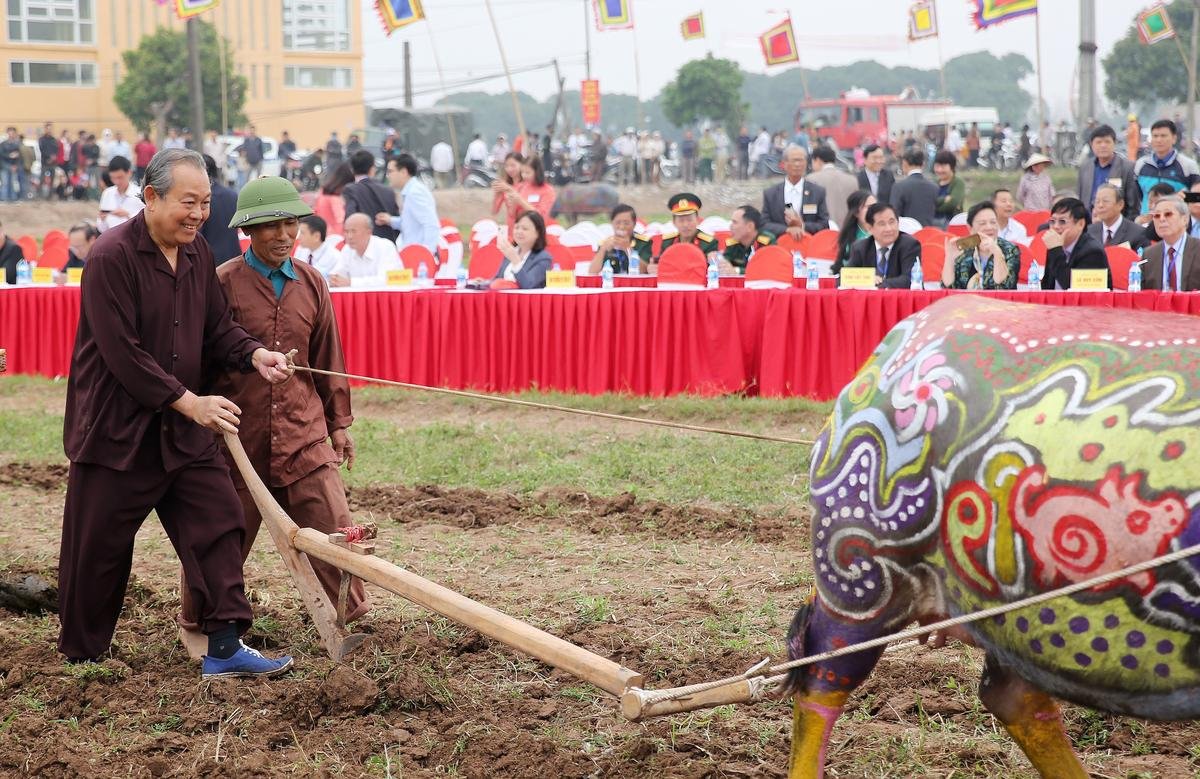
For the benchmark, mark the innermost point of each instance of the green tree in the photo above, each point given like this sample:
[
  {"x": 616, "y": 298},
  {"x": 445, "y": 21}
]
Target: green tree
[
  {"x": 155, "y": 89},
  {"x": 1141, "y": 74},
  {"x": 708, "y": 88}
]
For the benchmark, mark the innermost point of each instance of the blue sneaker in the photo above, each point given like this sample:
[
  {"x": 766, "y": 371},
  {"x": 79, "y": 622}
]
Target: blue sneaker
[{"x": 245, "y": 662}]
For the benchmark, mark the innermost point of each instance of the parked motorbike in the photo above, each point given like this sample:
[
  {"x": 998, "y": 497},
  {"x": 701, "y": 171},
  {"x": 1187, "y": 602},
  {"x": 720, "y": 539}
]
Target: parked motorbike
[{"x": 479, "y": 177}]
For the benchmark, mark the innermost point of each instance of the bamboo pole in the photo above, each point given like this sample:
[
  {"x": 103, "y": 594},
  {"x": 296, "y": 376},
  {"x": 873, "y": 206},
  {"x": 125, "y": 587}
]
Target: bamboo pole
[
  {"x": 507, "y": 72},
  {"x": 611, "y": 677}
]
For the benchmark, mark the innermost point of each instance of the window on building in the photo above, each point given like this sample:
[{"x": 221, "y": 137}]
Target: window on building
[
  {"x": 254, "y": 81},
  {"x": 58, "y": 74},
  {"x": 316, "y": 25},
  {"x": 316, "y": 78},
  {"x": 51, "y": 21},
  {"x": 267, "y": 81}
]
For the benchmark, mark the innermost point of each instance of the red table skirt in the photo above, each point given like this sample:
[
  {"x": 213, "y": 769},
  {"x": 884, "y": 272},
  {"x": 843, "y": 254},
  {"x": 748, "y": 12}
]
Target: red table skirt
[{"x": 771, "y": 342}]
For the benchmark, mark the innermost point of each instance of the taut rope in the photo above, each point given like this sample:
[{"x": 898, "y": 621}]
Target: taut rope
[{"x": 552, "y": 407}]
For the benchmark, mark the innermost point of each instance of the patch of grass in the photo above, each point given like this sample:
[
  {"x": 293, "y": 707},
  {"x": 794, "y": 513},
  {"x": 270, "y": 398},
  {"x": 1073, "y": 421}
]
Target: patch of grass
[
  {"x": 87, "y": 672},
  {"x": 30, "y": 437},
  {"x": 593, "y": 608}
]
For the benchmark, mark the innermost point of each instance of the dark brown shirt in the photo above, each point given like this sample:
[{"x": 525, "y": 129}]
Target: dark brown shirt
[
  {"x": 284, "y": 427},
  {"x": 144, "y": 336}
]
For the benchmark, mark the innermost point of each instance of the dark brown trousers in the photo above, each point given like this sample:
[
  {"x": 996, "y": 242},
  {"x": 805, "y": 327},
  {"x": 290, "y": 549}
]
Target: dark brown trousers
[
  {"x": 318, "y": 501},
  {"x": 200, "y": 511}
]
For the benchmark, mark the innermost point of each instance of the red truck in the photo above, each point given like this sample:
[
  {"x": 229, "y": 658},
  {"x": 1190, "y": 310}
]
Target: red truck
[{"x": 857, "y": 117}]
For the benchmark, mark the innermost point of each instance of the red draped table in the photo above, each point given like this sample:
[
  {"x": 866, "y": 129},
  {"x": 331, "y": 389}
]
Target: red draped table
[{"x": 777, "y": 342}]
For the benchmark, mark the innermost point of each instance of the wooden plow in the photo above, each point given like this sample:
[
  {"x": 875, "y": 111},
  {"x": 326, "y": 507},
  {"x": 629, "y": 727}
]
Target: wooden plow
[{"x": 297, "y": 544}]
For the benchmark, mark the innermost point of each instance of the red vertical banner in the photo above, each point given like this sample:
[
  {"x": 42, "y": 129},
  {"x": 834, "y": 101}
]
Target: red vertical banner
[{"x": 589, "y": 98}]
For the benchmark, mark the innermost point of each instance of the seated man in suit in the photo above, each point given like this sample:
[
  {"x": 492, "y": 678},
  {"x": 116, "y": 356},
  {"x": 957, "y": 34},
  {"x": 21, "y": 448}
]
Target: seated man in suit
[
  {"x": 914, "y": 195},
  {"x": 890, "y": 252},
  {"x": 874, "y": 177},
  {"x": 685, "y": 215},
  {"x": 1068, "y": 245},
  {"x": 794, "y": 206},
  {"x": 1109, "y": 226},
  {"x": 745, "y": 237},
  {"x": 1173, "y": 265}
]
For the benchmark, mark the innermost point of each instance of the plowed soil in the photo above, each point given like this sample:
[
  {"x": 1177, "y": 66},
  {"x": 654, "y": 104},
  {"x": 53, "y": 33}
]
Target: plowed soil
[{"x": 682, "y": 593}]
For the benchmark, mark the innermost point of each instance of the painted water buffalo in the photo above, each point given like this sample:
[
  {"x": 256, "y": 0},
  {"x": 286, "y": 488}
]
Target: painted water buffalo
[{"x": 989, "y": 451}]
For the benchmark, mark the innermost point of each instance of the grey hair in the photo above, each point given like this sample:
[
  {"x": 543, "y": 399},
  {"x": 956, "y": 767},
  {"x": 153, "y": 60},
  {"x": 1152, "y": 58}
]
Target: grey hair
[
  {"x": 1116, "y": 192},
  {"x": 793, "y": 147},
  {"x": 1177, "y": 203},
  {"x": 160, "y": 173}
]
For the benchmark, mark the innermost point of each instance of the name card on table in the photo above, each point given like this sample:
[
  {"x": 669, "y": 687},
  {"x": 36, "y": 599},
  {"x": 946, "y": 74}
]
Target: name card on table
[
  {"x": 560, "y": 279},
  {"x": 43, "y": 275},
  {"x": 1091, "y": 280},
  {"x": 74, "y": 275},
  {"x": 858, "y": 278},
  {"x": 400, "y": 278}
]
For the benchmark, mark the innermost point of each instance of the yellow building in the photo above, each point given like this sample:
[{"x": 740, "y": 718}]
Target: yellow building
[{"x": 302, "y": 59}]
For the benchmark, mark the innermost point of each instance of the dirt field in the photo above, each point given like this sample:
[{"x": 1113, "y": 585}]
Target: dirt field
[{"x": 682, "y": 590}]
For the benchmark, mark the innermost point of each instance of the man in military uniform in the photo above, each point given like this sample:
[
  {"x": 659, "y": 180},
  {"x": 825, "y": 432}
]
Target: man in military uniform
[
  {"x": 685, "y": 215},
  {"x": 624, "y": 244},
  {"x": 746, "y": 236}
]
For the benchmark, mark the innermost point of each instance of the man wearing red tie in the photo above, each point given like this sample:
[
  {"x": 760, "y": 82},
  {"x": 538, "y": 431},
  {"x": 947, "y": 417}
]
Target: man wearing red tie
[{"x": 1173, "y": 264}]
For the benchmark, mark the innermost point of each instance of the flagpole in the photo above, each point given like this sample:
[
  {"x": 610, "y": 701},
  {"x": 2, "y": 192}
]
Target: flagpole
[
  {"x": 1037, "y": 37},
  {"x": 941, "y": 70},
  {"x": 803, "y": 78},
  {"x": 637, "y": 80},
  {"x": 437, "y": 63},
  {"x": 507, "y": 73}
]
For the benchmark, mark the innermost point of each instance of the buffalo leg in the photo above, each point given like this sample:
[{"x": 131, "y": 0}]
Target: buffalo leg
[
  {"x": 1033, "y": 720},
  {"x": 821, "y": 689}
]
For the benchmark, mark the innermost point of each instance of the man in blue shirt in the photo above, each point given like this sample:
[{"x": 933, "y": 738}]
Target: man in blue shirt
[
  {"x": 418, "y": 221},
  {"x": 1163, "y": 163}
]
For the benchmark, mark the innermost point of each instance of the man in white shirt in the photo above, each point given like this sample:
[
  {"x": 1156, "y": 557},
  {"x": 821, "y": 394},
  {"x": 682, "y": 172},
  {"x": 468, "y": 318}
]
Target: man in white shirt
[
  {"x": 173, "y": 141},
  {"x": 760, "y": 147},
  {"x": 954, "y": 141},
  {"x": 366, "y": 258},
  {"x": 105, "y": 145},
  {"x": 500, "y": 150},
  {"x": 120, "y": 147},
  {"x": 120, "y": 202},
  {"x": 441, "y": 159},
  {"x": 1010, "y": 229},
  {"x": 477, "y": 153},
  {"x": 316, "y": 248},
  {"x": 418, "y": 220}
]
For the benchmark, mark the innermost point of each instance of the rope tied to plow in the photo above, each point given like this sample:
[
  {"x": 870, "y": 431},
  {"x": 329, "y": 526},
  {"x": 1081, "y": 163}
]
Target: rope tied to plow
[
  {"x": 550, "y": 406},
  {"x": 357, "y": 533},
  {"x": 779, "y": 670}
]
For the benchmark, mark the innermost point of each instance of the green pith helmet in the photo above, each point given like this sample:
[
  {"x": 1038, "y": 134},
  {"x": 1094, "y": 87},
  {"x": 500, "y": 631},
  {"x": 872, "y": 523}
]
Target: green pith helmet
[{"x": 267, "y": 199}]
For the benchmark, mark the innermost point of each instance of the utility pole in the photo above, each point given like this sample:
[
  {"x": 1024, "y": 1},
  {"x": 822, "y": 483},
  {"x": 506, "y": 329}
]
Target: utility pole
[
  {"x": 1087, "y": 63},
  {"x": 407, "y": 75},
  {"x": 197, "y": 96},
  {"x": 1191, "y": 101},
  {"x": 512, "y": 90},
  {"x": 587, "y": 38}
]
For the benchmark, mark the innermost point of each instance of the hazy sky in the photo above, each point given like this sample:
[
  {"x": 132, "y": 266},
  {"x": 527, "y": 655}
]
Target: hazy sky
[{"x": 536, "y": 31}]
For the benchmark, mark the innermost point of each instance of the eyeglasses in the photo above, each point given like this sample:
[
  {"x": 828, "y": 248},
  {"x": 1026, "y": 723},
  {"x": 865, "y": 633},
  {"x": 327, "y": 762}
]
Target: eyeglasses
[{"x": 1060, "y": 222}]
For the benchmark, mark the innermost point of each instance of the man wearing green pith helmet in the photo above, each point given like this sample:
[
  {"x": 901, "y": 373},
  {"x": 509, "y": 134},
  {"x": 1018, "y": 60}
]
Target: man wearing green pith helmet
[{"x": 295, "y": 435}]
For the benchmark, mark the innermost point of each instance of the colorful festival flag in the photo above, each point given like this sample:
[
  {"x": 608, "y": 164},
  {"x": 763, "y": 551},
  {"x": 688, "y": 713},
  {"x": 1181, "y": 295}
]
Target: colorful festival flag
[
  {"x": 693, "y": 27},
  {"x": 188, "y": 8},
  {"x": 613, "y": 14},
  {"x": 985, "y": 13},
  {"x": 922, "y": 20},
  {"x": 779, "y": 44},
  {"x": 398, "y": 13},
  {"x": 1154, "y": 25}
]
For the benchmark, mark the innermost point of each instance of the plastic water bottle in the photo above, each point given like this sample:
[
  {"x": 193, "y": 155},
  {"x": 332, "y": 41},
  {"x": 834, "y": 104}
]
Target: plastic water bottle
[
  {"x": 460, "y": 278},
  {"x": 606, "y": 275},
  {"x": 422, "y": 274},
  {"x": 814, "y": 278},
  {"x": 635, "y": 262},
  {"x": 1035, "y": 276},
  {"x": 1135, "y": 277},
  {"x": 916, "y": 276},
  {"x": 24, "y": 272},
  {"x": 797, "y": 265},
  {"x": 714, "y": 274}
]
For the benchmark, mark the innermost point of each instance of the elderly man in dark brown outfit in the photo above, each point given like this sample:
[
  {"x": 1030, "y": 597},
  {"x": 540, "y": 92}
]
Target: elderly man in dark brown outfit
[
  {"x": 138, "y": 435},
  {"x": 288, "y": 428}
]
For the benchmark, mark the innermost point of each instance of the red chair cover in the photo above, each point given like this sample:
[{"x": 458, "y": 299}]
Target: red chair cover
[
  {"x": 414, "y": 254},
  {"x": 790, "y": 244},
  {"x": 54, "y": 256},
  {"x": 562, "y": 256},
  {"x": 722, "y": 237},
  {"x": 1032, "y": 219},
  {"x": 29, "y": 247},
  {"x": 683, "y": 263},
  {"x": 55, "y": 236},
  {"x": 933, "y": 258},
  {"x": 1026, "y": 261},
  {"x": 485, "y": 262},
  {"x": 1120, "y": 259},
  {"x": 1038, "y": 247},
  {"x": 822, "y": 245},
  {"x": 932, "y": 235},
  {"x": 958, "y": 230},
  {"x": 770, "y": 263}
]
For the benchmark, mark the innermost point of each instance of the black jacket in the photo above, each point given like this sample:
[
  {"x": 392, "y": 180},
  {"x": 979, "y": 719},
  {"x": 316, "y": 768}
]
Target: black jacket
[
  {"x": 10, "y": 255},
  {"x": 813, "y": 210},
  {"x": 1088, "y": 254},
  {"x": 886, "y": 182},
  {"x": 1128, "y": 231},
  {"x": 370, "y": 197},
  {"x": 904, "y": 252},
  {"x": 221, "y": 238},
  {"x": 915, "y": 197}
]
